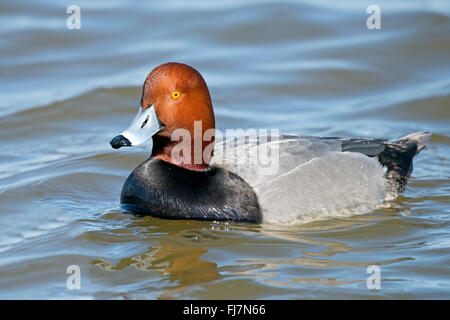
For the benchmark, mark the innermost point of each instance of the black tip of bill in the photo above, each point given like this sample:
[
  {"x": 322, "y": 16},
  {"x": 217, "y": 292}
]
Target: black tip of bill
[{"x": 120, "y": 141}]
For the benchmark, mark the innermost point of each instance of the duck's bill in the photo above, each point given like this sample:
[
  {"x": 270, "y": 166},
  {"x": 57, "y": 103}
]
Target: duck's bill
[{"x": 144, "y": 126}]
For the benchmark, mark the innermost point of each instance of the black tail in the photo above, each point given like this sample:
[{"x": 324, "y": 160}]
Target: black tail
[{"x": 398, "y": 158}]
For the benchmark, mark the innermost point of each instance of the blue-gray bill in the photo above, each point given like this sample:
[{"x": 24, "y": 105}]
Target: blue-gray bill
[{"x": 144, "y": 126}]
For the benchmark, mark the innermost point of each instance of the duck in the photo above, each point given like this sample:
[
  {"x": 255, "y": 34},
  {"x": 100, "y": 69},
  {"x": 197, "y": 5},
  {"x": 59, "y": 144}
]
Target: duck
[{"x": 191, "y": 175}]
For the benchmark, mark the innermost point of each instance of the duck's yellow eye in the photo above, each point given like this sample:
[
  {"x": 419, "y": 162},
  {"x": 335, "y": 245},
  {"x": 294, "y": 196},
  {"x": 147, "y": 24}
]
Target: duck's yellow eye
[{"x": 175, "y": 95}]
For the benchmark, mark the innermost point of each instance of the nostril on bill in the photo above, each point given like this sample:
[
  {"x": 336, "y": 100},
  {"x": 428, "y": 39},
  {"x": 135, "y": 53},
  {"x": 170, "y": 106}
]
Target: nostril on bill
[
  {"x": 120, "y": 141},
  {"x": 144, "y": 123}
]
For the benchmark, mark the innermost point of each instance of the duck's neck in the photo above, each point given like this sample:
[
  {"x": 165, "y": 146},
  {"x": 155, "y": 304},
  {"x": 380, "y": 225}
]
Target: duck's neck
[{"x": 162, "y": 149}]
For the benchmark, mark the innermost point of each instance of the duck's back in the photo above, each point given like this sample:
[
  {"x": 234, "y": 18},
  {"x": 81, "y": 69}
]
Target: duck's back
[{"x": 161, "y": 189}]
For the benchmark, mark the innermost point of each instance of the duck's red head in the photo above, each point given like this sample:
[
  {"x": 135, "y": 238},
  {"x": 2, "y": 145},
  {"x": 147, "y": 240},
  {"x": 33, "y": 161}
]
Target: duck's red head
[{"x": 176, "y": 111}]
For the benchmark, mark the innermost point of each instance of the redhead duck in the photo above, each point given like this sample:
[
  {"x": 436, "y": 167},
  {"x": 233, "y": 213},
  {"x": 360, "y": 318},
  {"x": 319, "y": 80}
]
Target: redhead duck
[{"x": 314, "y": 175}]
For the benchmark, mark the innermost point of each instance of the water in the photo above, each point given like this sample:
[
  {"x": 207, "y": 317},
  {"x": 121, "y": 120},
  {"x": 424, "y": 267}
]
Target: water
[{"x": 304, "y": 67}]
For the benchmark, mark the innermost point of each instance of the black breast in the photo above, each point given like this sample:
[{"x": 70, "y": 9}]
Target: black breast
[{"x": 161, "y": 189}]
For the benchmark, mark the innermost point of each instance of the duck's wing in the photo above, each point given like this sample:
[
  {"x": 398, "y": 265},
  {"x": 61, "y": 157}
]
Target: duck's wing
[
  {"x": 293, "y": 150},
  {"x": 316, "y": 176},
  {"x": 261, "y": 158},
  {"x": 396, "y": 156},
  {"x": 369, "y": 146}
]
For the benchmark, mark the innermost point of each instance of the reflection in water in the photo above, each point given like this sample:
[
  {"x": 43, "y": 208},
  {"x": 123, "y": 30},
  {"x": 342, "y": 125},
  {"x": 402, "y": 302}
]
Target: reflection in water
[
  {"x": 185, "y": 267},
  {"x": 182, "y": 265},
  {"x": 181, "y": 256}
]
